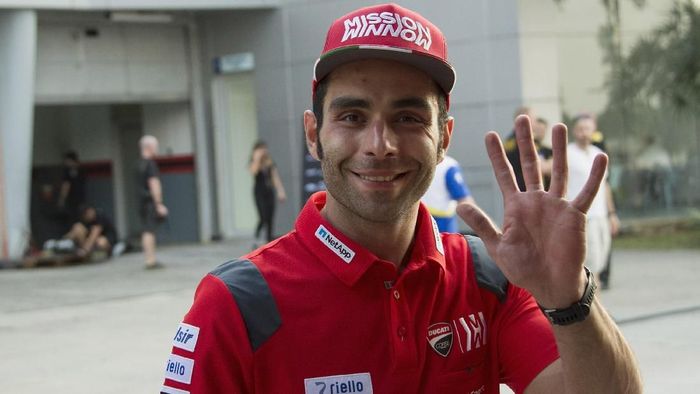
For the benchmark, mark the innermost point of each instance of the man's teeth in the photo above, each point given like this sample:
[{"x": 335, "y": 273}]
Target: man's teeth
[{"x": 379, "y": 178}]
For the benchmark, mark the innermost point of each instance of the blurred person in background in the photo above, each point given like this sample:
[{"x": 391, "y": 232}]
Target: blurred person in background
[
  {"x": 71, "y": 194},
  {"x": 92, "y": 235},
  {"x": 94, "y": 232},
  {"x": 539, "y": 130},
  {"x": 539, "y": 133},
  {"x": 268, "y": 187},
  {"x": 445, "y": 192},
  {"x": 602, "y": 221},
  {"x": 511, "y": 147},
  {"x": 598, "y": 140},
  {"x": 657, "y": 178},
  {"x": 152, "y": 210},
  {"x": 46, "y": 219}
]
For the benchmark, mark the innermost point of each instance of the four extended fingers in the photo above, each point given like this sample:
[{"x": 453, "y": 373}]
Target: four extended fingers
[{"x": 531, "y": 168}]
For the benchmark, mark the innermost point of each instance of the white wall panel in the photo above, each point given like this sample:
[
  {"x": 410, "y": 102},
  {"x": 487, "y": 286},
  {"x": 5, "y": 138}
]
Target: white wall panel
[
  {"x": 171, "y": 124},
  {"x": 122, "y": 63}
]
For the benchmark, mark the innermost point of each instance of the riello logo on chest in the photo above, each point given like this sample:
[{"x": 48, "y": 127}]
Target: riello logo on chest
[{"x": 470, "y": 333}]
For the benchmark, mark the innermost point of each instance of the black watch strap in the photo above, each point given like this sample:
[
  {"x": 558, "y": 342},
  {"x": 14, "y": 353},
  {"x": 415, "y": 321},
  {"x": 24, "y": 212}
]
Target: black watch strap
[{"x": 578, "y": 311}]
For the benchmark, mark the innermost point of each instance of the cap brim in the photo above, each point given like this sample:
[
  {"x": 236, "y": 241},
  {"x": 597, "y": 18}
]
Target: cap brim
[{"x": 442, "y": 72}]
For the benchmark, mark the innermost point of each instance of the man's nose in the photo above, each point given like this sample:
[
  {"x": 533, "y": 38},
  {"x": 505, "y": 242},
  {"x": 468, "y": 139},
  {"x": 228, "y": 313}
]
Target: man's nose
[{"x": 381, "y": 140}]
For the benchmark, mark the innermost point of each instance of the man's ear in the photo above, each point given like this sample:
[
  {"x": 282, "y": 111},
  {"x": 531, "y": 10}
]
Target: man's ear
[
  {"x": 446, "y": 137},
  {"x": 311, "y": 132}
]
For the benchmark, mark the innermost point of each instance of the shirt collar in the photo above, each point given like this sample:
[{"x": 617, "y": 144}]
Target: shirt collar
[{"x": 348, "y": 260}]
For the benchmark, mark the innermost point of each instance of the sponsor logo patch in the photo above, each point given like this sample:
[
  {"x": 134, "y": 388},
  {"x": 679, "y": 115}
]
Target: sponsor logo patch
[
  {"x": 387, "y": 24},
  {"x": 172, "y": 390},
  {"x": 334, "y": 244},
  {"x": 471, "y": 331},
  {"x": 354, "y": 383},
  {"x": 480, "y": 390},
  {"x": 440, "y": 338},
  {"x": 179, "y": 369},
  {"x": 186, "y": 337}
]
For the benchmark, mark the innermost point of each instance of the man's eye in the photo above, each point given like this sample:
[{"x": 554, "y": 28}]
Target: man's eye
[
  {"x": 409, "y": 119},
  {"x": 350, "y": 118}
]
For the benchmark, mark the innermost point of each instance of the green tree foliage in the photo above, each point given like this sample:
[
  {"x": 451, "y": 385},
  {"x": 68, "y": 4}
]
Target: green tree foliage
[
  {"x": 663, "y": 68},
  {"x": 655, "y": 87}
]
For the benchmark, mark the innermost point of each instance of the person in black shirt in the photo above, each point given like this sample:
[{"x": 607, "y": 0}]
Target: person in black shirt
[
  {"x": 267, "y": 186},
  {"x": 93, "y": 232},
  {"x": 72, "y": 191},
  {"x": 539, "y": 128},
  {"x": 152, "y": 209},
  {"x": 539, "y": 131}
]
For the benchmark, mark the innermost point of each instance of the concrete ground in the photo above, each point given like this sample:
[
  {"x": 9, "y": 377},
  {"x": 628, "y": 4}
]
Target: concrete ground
[{"x": 107, "y": 327}]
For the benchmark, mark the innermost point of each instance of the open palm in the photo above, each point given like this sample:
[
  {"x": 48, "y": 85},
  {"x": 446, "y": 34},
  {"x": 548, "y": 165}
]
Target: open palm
[{"x": 542, "y": 244}]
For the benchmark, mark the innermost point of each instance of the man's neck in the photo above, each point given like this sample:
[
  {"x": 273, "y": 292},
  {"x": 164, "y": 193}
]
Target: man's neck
[
  {"x": 583, "y": 145},
  {"x": 390, "y": 241}
]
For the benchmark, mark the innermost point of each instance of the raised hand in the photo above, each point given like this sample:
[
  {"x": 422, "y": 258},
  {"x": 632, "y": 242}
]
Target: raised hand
[{"x": 542, "y": 244}]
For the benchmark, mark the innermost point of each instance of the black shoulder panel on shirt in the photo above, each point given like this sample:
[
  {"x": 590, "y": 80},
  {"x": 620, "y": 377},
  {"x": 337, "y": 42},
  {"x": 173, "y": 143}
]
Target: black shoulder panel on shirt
[
  {"x": 253, "y": 297},
  {"x": 488, "y": 275}
]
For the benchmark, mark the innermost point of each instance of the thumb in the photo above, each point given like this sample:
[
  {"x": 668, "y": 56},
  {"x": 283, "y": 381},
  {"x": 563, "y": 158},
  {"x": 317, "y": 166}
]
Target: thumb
[{"x": 475, "y": 218}]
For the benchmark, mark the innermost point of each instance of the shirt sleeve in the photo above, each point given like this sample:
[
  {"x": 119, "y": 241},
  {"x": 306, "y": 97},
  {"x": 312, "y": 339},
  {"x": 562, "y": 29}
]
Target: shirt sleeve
[
  {"x": 211, "y": 352},
  {"x": 67, "y": 176},
  {"x": 526, "y": 343},
  {"x": 152, "y": 169},
  {"x": 455, "y": 183}
]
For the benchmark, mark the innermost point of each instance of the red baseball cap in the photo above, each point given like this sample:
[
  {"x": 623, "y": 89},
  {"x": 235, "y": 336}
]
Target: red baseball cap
[{"x": 387, "y": 31}]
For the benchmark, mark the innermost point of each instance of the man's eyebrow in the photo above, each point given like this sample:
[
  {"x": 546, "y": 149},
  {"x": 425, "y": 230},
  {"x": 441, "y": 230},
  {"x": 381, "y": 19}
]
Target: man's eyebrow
[
  {"x": 412, "y": 102},
  {"x": 345, "y": 102}
]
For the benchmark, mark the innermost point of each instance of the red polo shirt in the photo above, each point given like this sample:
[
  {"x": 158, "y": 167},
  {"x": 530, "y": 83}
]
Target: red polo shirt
[{"x": 315, "y": 312}]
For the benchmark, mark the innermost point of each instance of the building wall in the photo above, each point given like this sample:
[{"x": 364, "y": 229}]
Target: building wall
[
  {"x": 171, "y": 123},
  {"x": 84, "y": 58},
  {"x": 569, "y": 60},
  {"x": 263, "y": 34},
  {"x": 83, "y": 128},
  {"x": 87, "y": 128}
]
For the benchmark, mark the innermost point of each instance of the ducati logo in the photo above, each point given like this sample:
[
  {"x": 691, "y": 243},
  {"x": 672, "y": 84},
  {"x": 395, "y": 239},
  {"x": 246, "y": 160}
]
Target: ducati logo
[{"x": 440, "y": 338}]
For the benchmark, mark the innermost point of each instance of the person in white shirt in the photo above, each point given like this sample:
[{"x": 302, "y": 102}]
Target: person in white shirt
[
  {"x": 602, "y": 221},
  {"x": 446, "y": 191}
]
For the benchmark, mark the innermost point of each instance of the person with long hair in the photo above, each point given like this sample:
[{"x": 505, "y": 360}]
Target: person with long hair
[{"x": 268, "y": 185}]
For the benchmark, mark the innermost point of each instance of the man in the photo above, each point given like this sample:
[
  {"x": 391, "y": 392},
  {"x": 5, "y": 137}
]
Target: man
[
  {"x": 513, "y": 153},
  {"x": 94, "y": 232},
  {"x": 72, "y": 191},
  {"x": 152, "y": 211},
  {"x": 598, "y": 140},
  {"x": 444, "y": 193},
  {"x": 602, "y": 221},
  {"x": 365, "y": 295}
]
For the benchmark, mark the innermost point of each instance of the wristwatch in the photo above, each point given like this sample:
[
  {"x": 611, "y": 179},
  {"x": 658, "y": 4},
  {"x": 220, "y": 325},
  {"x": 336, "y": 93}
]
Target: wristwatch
[{"x": 578, "y": 311}]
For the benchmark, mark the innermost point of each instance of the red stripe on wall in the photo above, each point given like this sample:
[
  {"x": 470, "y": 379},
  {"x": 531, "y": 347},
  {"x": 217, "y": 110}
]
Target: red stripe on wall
[
  {"x": 175, "y": 164},
  {"x": 97, "y": 169}
]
